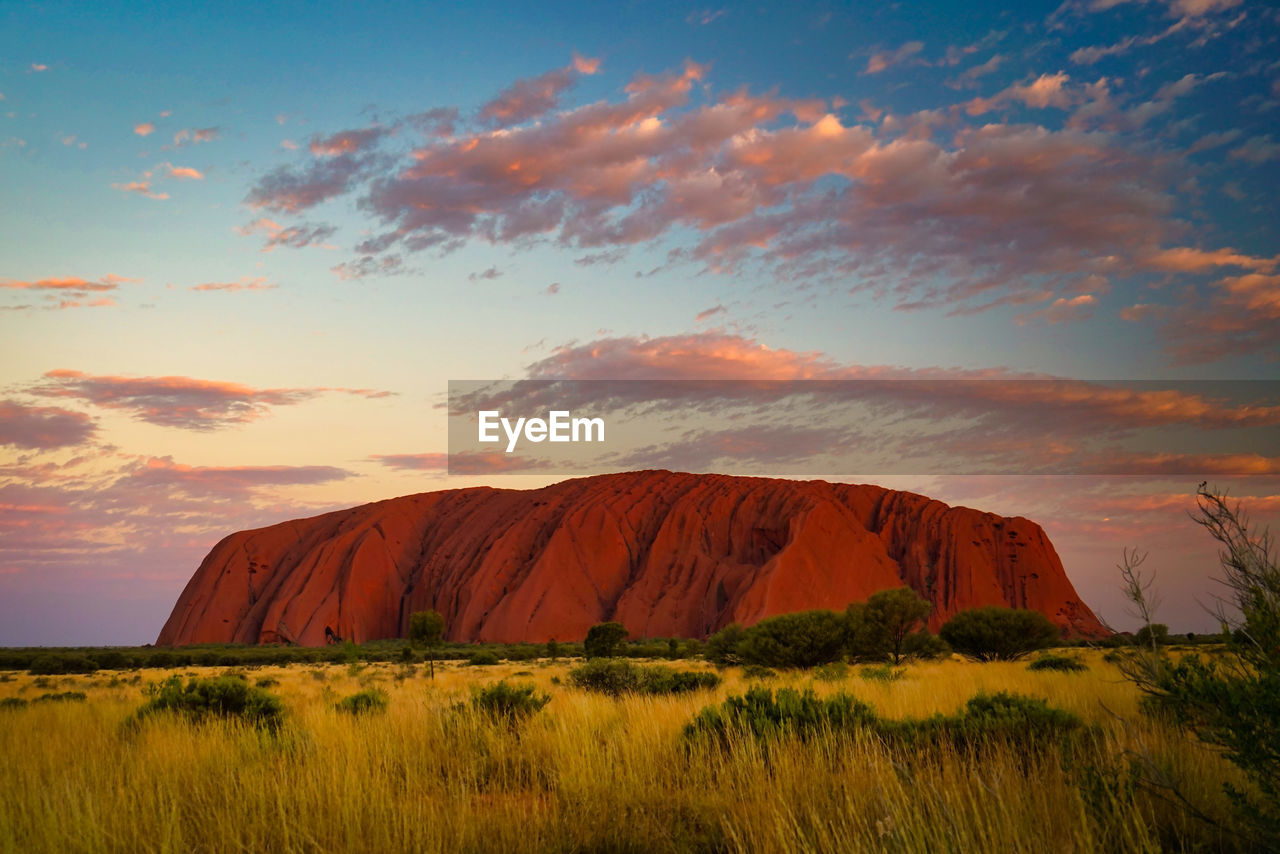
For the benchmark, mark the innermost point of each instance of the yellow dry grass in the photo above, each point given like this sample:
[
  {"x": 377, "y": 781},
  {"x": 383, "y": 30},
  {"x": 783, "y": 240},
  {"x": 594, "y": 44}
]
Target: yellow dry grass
[{"x": 588, "y": 773}]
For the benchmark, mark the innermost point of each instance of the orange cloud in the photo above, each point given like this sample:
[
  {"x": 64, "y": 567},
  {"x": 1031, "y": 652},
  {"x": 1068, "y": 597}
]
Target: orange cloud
[
  {"x": 245, "y": 284},
  {"x": 144, "y": 128},
  {"x": 184, "y": 172}
]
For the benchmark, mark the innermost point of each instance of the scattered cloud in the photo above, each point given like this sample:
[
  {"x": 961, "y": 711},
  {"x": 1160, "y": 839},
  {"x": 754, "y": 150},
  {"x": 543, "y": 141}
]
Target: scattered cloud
[
  {"x": 43, "y": 427},
  {"x": 195, "y": 136},
  {"x": 144, "y": 128},
  {"x": 487, "y": 274},
  {"x": 532, "y": 97},
  {"x": 245, "y": 284},
  {"x": 180, "y": 402},
  {"x": 413, "y": 462},
  {"x": 297, "y": 236},
  {"x": 883, "y": 60}
]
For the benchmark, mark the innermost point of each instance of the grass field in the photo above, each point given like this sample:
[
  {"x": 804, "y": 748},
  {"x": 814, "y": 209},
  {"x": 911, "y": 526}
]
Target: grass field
[{"x": 587, "y": 773}]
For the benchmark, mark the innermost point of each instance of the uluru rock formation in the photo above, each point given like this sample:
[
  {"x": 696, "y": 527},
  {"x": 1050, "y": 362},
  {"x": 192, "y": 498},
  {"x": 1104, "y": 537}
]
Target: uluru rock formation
[{"x": 666, "y": 554}]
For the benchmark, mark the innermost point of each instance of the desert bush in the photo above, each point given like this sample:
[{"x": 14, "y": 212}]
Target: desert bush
[
  {"x": 616, "y": 677},
  {"x": 834, "y": 671},
  {"x": 267, "y": 682},
  {"x": 993, "y": 633},
  {"x": 220, "y": 697},
  {"x": 509, "y": 703},
  {"x": 924, "y": 645},
  {"x": 363, "y": 702},
  {"x": 13, "y": 703},
  {"x": 604, "y": 640},
  {"x": 1230, "y": 701},
  {"x": 882, "y": 673},
  {"x": 1059, "y": 663},
  {"x": 62, "y": 697},
  {"x": 56, "y": 665},
  {"x": 482, "y": 658},
  {"x": 722, "y": 647},
  {"x": 761, "y": 714},
  {"x": 800, "y": 639},
  {"x": 758, "y": 671},
  {"x": 1152, "y": 634},
  {"x": 1028, "y": 722}
]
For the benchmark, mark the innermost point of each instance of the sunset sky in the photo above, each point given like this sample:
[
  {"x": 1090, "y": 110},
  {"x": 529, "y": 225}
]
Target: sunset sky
[{"x": 244, "y": 248}]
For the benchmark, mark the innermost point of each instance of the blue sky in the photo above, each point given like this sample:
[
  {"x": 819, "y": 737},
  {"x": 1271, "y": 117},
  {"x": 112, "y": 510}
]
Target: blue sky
[{"x": 1084, "y": 190}]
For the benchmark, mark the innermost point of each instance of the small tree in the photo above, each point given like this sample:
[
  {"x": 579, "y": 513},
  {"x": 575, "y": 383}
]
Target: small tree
[
  {"x": 800, "y": 639},
  {"x": 604, "y": 640},
  {"x": 883, "y": 624},
  {"x": 426, "y": 628},
  {"x": 993, "y": 633},
  {"x": 1152, "y": 634},
  {"x": 553, "y": 649}
]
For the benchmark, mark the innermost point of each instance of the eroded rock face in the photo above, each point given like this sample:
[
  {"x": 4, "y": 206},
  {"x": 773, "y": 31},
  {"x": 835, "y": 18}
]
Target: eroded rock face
[{"x": 666, "y": 554}]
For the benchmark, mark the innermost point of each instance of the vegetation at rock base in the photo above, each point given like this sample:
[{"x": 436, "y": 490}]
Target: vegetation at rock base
[{"x": 993, "y": 633}]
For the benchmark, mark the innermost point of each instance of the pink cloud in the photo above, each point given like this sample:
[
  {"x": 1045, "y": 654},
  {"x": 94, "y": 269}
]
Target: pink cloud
[
  {"x": 413, "y": 462},
  {"x": 887, "y": 59},
  {"x": 293, "y": 236},
  {"x": 530, "y": 98},
  {"x": 181, "y": 402},
  {"x": 927, "y": 212},
  {"x": 195, "y": 136},
  {"x": 144, "y": 128},
  {"x": 43, "y": 427},
  {"x": 245, "y": 284},
  {"x": 1048, "y": 90}
]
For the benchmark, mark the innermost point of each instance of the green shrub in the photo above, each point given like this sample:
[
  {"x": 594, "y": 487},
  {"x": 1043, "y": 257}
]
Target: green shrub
[
  {"x": 835, "y": 671},
  {"x": 363, "y": 702},
  {"x": 56, "y": 665},
  {"x": 616, "y": 677},
  {"x": 482, "y": 658},
  {"x": 267, "y": 682},
  {"x": 507, "y": 703},
  {"x": 800, "y": 639},
  {"x": 62, "y": 697},
  {"x": 925, "y": 646},
  {"x": 222, "y": 697},
  {"x": 1028, "y": 722},
  {"x": 761, "y": 714},
  {"x": 722, "y": 647},
  {"x": 13, "y": 703},
  {"x": 1060, "y": 663},
  {"x": 985, "y": 719},
  {"x": 879, "y": 628},
  {"x": 757, "y": 671},
  {"x": 882, "y": 673},
  {"x": 604, "y": 640},
  {"x": 992, "y": 633}
]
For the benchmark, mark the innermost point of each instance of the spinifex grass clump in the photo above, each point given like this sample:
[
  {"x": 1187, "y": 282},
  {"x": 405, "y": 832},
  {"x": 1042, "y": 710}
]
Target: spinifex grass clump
[
  {"x": 62, "y": 697},
  {"x": 882, "y": 673},
  {"x": 1058, "y": 663},
  {"x": 616, "y": 677},
  {"x": 363, "y": 702},
  {"x": 761, "y": 714},
  {"x": 224, "y": 697},
  {"x": 507, "y": 703},
  {"x": 1003, "y": 717},
  {"x": 1006, "y": 718}
]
